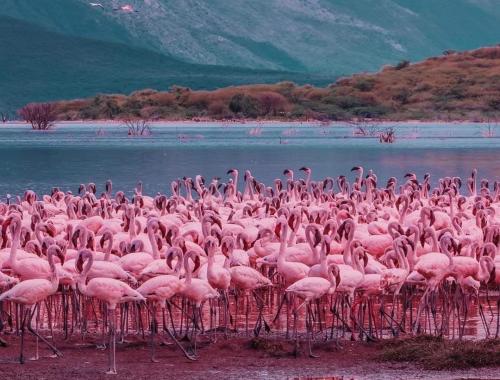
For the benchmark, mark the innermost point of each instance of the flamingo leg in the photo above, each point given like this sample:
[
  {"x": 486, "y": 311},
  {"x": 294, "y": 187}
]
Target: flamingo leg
[
  {"x": 153, "y": 332},
  {"x": 112, "y": 343},
  {"x": 310, "y": 330},
  {"x": 498, "y": 318},
  {"x": 422, "y": 304},
  {"x": 26, "y": 315},
  {"x": 50, "y": 345},
  {"x": 195, "y": 328}
]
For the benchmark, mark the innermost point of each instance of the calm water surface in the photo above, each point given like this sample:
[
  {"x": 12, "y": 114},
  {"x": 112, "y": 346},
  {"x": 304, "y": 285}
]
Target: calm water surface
[{"x": 80, "y": 153}]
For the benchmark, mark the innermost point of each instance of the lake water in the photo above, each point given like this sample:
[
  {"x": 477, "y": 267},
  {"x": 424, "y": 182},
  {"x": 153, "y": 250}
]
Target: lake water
[{"x": 79, "y": 153}]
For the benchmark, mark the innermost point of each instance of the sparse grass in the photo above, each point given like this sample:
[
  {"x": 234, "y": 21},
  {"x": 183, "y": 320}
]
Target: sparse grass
[
  {"x": 434, "y": 353},
  {"x": 269, "y": 347}
]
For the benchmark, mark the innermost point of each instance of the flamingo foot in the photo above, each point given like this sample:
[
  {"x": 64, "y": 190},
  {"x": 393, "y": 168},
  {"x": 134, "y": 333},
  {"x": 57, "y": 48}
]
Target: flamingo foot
[
  {"x": 111, "y": 372},
  {"x": 296, "y": 349},
  {"x": 311, "y": 355}
]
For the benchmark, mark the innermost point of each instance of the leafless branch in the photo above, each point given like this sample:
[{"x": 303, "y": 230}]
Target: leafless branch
[
  {"x": 41, "y": 116},
  {"x": 138, "y": 127}
]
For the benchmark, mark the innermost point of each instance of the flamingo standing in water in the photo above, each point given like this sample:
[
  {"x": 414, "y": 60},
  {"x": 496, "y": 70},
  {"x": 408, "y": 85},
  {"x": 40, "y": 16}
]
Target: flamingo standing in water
[
  {"x": 246, "y": 279},
  {"x": 313, "y": 288},
  {"x": 196, "y": 290},
  {"x": 159, "y": 290},
  {"x": 29, "y": 293},
  {"x": 108, "y": 290}
]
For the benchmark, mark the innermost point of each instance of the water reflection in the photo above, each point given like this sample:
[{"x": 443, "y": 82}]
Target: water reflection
[{"x": 72, "y": 154}]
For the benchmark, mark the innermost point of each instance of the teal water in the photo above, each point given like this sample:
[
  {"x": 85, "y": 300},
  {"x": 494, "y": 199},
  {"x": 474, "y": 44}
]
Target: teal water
[{"x": 79, "y": 153}]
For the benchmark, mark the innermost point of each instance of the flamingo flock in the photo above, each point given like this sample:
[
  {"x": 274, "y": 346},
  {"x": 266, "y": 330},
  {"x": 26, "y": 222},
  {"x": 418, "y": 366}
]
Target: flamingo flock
[{"x": 350, "y": 258}]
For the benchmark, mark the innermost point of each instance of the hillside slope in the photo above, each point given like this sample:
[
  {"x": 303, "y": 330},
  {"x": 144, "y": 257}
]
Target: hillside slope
[
  {"x": 331, "y": 36},
  {"x": 458, "y": 86},
  {"x": 38, "y": 65}
]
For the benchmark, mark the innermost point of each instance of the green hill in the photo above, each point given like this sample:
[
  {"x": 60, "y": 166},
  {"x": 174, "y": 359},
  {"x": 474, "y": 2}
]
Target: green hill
[
  {"x": 38, "y": 65},
  {"x": 455, "y": 86},
  {"x": 52, "y": 49},
  {"x": 337, "y": 37}
]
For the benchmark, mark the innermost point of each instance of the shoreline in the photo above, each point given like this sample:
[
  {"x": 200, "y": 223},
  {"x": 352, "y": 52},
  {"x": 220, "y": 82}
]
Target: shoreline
[
  {"x": 169, "y": 123},
  {"x": 233, "y": 358}
]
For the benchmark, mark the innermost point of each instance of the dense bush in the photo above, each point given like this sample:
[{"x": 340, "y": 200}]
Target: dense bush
[
  {"x": 244, "y": 105},
  {"x": 402, "y": 65}
]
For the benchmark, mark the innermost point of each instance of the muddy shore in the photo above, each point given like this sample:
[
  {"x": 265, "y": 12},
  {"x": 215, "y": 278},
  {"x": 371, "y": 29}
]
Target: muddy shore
[{"x": 235, "y": 358}]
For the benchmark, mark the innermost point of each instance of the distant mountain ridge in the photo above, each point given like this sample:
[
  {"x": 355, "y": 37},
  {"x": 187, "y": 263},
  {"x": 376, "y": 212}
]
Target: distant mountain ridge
[
  {"x": 37, "y": 64},
  {"x": 455, "y": 86},
  {"x": 328, "y": 36},
  {"x": 163, "y": 42}
]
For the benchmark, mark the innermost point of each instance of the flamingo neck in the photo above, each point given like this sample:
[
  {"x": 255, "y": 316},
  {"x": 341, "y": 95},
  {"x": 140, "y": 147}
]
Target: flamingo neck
[
  {"x": 13, "y": 249},
  {"x": 347, "y": 249},
  {"x": 107, "y": 252},
  {"x": 132, "y": 231},
  {"x": 154, "y": 246},
  {"x": 281, "y": 254},
  {"x": 82, "y": 279},
  {"x": 404, "y": 211}
]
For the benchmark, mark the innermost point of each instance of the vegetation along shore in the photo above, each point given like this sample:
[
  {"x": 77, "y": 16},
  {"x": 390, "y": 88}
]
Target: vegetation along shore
[{"x": 457, "y": 86}]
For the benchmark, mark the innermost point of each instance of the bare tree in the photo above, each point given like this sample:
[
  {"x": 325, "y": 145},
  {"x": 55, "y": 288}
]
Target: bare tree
[
  {"x": 4, "y": 117},
  {"x": 41, "y": 116},
  {"x": 363, "y": 129},
  {"x": 388, "y": 136},
  {"x": 138, "y": 127}
]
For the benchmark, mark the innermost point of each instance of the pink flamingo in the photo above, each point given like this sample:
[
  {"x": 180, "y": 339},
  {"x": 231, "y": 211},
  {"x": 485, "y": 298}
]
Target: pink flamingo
[
  {"x": 246, "y": 279},
  {"x": 108, "y": 290},
  {"x": 290, "y": 271},
  {"x": 195, "y": 290},
  {"x": 29, "y": 293},
  {"x": 161, "y": 289},
  {"x": 313, "y": 288}
]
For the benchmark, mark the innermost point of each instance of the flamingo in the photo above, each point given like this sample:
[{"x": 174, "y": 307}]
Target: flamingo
[
  {"x": 313, "y": 288},
  {"x": 159, "y": 290},
  {"x": 196, "y": 290},
  {"x": 29, "y": 293},
  {"x": 290, "y": 271},
  {"x": 108, "y": 290}
]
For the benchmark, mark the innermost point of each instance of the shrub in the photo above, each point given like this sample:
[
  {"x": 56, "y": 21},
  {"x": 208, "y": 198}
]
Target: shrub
[
  {"x": 365, "y": 84},
  {"x": 272, "y": 103},
  {"x": 494, "y": 103},
  {"x": 110, "y": 108},
  {"x": 402, "y": 95},
  {"x": 401, "y": 65},
  {"x": 437, "y": 354},
  {"x": 41, "y": 116},
  {"x": 219, "y": 110},
  {"x": 370, "y": 112},
  {"x": 244, "y": 105},
  {"x": 347, "y": 102}
]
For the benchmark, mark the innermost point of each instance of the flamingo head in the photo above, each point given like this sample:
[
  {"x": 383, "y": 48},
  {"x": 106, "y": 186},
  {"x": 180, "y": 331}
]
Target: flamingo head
[
  {"x": 172, "y": 253},
  {"x": 210, "y": 245},
  {"x": 83, "y": 256}
]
